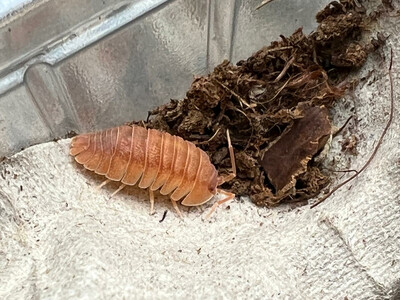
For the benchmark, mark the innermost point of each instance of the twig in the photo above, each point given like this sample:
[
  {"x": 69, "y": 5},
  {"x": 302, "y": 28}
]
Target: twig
[
  {"x": 379, "y": 142},
  {"x": 279, "y": 91},
  {"x": 210, "y": 139},
  {"x": 263, "y": 3},
  {"x": 343, "y": 126},
  {"x": 235, "y": 94},
  {"x": 279, "y": 49},
  {"x": 342, "y": 171},
  {"x": 284, "y": 70}
]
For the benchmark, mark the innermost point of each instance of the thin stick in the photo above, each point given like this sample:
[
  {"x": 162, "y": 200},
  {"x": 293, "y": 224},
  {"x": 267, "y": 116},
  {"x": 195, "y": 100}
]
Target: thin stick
[
  {"x": 379, "y": 142},
  {"x": 342, "y": 171},
  {"x": 343, "y": 126},
  {"x": 279, "y": 91},
  {"x": 210, "y": 139},
  {"x": 284, "y": 70},
  {"x": 235, "y": 94},
  {"x": 279, "y": 49},
  {"x": 265, "y": 2},
  {"x": 231, "y": 153},
  {"x": 231, "y": 175}
]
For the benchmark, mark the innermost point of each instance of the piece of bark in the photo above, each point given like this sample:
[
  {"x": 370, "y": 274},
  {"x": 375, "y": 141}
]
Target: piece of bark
[{"x": 288, "y": 157}]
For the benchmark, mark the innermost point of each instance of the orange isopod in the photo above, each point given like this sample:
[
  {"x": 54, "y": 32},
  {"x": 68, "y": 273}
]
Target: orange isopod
[{"x": 155, "y": 160}]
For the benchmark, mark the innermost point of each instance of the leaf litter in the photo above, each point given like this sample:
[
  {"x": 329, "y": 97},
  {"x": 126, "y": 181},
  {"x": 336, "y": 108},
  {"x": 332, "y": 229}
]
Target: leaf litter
[{"x": 276, "y": 106}]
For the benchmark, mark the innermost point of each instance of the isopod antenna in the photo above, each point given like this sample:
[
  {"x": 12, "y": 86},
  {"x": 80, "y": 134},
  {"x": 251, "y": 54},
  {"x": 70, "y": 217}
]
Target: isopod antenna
[{"x": 223, "y": 179}]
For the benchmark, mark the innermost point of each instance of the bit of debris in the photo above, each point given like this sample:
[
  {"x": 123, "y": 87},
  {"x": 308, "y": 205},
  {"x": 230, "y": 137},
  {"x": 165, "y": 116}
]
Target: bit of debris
[
  {"x": 349, "y": 145},
  {"x": 275, "y": 105},
  {"x": 164, "y": 215},
  {"x": 70, "y": 134},
  {"x": 289, "y": 155},
  {"x": 265, "y": 2}
]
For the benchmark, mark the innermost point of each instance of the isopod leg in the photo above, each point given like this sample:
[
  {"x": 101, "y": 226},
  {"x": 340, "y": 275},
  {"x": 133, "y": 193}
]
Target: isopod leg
[
  {"x": 228, "y": 197},
  {"x": 233, "y": 162},
  {"x": 120, "y": 188},
  {"x": 103, "y": 184},
  {"x": 177, "y": 209},
  {"x": 151, "y": 194}
]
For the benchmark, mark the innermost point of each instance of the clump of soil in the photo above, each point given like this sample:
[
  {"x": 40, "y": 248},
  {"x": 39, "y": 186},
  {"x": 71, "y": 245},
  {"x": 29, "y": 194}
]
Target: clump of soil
[{"x": 261, "y": 100}]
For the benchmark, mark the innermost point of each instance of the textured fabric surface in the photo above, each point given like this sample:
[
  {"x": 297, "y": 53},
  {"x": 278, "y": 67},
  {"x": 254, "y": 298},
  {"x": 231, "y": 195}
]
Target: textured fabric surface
[{"x": 62, "y": 239}]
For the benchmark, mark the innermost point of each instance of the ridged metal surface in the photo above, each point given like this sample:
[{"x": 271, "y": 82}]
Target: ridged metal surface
[{"x": 86, "y": 65}]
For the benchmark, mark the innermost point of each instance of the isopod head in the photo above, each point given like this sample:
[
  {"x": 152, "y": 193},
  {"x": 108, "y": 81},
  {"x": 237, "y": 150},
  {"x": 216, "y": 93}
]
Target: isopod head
[{"x": 204, "y": 188}]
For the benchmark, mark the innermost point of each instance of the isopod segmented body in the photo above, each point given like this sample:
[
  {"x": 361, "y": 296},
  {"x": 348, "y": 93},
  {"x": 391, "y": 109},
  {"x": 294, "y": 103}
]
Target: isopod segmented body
[{"x": 153, "y": 159}]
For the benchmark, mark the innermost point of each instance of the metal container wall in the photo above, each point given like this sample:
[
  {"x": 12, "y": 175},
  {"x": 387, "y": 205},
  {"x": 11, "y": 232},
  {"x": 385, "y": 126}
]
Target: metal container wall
[{"x": 83, "y": 65}]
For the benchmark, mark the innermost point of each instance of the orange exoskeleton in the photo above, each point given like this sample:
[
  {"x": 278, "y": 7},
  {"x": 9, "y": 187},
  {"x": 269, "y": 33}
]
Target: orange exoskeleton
[{"x": 155, "y": 160}]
